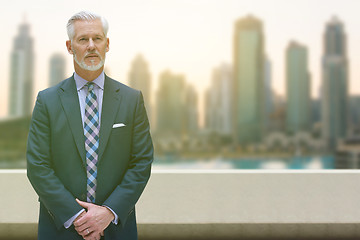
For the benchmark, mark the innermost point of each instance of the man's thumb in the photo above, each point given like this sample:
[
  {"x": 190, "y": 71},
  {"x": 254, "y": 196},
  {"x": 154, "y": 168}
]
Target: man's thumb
[{"x": 83, "y": 204}]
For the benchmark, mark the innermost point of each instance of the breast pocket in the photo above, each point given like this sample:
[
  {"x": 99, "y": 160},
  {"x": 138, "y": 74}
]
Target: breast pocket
[
  {"x": 124, "y": 130},
  {"x": 120, "y": 139}
]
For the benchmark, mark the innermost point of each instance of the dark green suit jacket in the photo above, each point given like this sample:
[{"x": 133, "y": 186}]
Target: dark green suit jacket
[{"x": 56, "y": 164}]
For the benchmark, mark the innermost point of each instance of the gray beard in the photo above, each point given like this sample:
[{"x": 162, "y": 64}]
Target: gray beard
[{"x": 83, "y": 65}]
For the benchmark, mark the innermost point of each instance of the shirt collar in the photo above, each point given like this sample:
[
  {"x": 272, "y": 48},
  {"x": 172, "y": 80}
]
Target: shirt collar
[{"x": 80, "y": 82}]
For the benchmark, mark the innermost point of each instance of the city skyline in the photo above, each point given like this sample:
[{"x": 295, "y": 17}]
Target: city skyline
[{"x": 196, "y": 70}]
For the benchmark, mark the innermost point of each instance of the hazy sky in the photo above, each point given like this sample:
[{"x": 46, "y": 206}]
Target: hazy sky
[{"x": 186, "y": 36}]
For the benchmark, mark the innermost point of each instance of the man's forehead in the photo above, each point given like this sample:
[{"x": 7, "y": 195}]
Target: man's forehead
[{"x": 88, "y": 25}]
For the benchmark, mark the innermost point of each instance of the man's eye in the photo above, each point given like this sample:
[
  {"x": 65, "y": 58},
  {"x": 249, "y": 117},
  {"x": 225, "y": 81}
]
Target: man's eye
[{"x": 82, "y": 39}]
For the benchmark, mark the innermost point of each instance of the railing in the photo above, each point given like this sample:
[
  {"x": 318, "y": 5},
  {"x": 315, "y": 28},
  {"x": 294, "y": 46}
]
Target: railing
[{"x": 224, "y": 204}]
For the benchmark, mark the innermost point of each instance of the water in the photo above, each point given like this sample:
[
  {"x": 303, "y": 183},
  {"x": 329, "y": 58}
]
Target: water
[
  {"x": 173, "y": 162},
  {"x": 303, "y": 162}
]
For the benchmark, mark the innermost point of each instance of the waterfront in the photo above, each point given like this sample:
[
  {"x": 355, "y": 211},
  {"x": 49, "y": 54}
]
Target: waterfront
[
  {"x": 171, "y": 162},
  {"x": 296, "y": 162}
]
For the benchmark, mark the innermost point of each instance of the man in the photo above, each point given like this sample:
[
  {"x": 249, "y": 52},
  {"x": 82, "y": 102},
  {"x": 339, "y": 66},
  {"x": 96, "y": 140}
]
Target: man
[{"x": 89, "y": 150}]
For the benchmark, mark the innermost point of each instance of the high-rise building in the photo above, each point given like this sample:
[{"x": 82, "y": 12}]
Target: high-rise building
[
  {"x": 57, "y": 69},
  {"x": 334, "y": 84},
  {"x": 354, "y": 103},
  {"x": 298, "y": 108},
  {"x": 191, "y": 110},
  {"x": 248, "y": 80},
  {"x": 218, "y": 110},
  {"x": 140, "y": 79},
  {"x": 171, "y": 99},
  {"x": 21, "y": 73},
  {"x": 277, "y": 117},
  {"x": 315, "y": 111},
  {"x": 269, "y": 104}
]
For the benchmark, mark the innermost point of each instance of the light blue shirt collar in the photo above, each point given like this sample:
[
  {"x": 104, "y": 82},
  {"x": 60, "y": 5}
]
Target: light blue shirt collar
[{"x": 80, "y": 82}]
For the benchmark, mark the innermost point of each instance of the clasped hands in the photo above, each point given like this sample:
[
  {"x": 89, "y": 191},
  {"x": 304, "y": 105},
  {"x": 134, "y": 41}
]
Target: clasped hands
[{"x": 90, "y": 224}]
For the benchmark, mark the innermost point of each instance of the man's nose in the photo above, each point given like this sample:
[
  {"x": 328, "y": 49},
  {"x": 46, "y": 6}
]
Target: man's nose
[{"x": 91, "y": 45}]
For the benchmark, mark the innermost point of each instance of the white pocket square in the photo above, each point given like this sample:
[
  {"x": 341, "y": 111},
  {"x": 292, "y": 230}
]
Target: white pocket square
[{"x": 117, "y": 125}]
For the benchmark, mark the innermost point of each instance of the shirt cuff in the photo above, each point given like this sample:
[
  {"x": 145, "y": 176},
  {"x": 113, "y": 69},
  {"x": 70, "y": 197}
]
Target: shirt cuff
[
  {"x": 69, "y": 222},
  {"x": 116, "y": 219}
]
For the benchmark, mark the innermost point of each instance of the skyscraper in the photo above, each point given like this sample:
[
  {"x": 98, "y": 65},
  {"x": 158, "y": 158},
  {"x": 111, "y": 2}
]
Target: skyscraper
[
  {"x": 57, "y": 69},
  {"x": 191, "y": 110},
  {"x": 269, "y": 105},
  {"x": 334, "y": 84},
  {"x": 298, "y": 108},
  {"x": 21, "y": 73},
  {"x": 218, "y": 112},
  {"x": 139, "y": 78},
  {"x": 248, "y": 80},
  {"x": 354, "y": 103},
  {"x": 171, "y": 99}
]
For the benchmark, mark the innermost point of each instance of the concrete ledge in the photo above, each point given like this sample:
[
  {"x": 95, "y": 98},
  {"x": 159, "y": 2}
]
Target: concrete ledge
[
  {"x": 28, "y": 231},
  {"x": 251, "y": 204},
  {"x": 248, "y": 231},
  {"x": 23, "y": 231}
]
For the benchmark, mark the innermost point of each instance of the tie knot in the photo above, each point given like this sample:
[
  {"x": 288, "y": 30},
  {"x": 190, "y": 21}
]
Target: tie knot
[{"x": 90, "y": 86}]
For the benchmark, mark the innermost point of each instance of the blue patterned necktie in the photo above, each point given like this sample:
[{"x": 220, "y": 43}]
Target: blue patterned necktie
[{"x": 91, "y": 132}]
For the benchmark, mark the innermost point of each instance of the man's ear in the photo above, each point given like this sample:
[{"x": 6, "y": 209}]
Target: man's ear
[
  {"x": 68, "y": 46},
  {"x": 107, "y": 44}
]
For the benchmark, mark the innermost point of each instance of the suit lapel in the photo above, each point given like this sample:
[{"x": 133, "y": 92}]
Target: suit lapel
[
  {"x": 70, "y": 103},
  {"x": 110, "y": 107}
]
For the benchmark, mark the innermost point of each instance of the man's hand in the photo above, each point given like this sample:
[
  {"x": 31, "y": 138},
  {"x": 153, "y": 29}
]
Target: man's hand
[
  {"x": 91, "y": 224},
  {"x": 80, "y": 216}
]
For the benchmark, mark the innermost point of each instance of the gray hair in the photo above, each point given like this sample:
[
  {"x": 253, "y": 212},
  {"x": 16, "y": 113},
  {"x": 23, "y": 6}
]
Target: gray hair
[{"x": 85, "y": 16}]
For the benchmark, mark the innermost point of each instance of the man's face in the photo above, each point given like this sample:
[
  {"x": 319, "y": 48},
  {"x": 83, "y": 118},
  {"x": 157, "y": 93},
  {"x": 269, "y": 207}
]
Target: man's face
[{"x": 89, "y": 45}]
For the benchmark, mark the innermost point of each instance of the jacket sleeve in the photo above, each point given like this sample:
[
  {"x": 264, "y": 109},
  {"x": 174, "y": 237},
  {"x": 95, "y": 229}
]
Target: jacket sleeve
[
  {"x": 59, "y": 202},
  {"x": 123, "y": 199}
]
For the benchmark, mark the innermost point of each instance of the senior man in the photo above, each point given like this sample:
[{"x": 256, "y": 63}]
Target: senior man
[{"x": 89, "y": 148}]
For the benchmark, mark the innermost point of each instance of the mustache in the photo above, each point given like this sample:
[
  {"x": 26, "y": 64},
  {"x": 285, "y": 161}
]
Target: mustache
[{"x": 93, "y": 53}]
